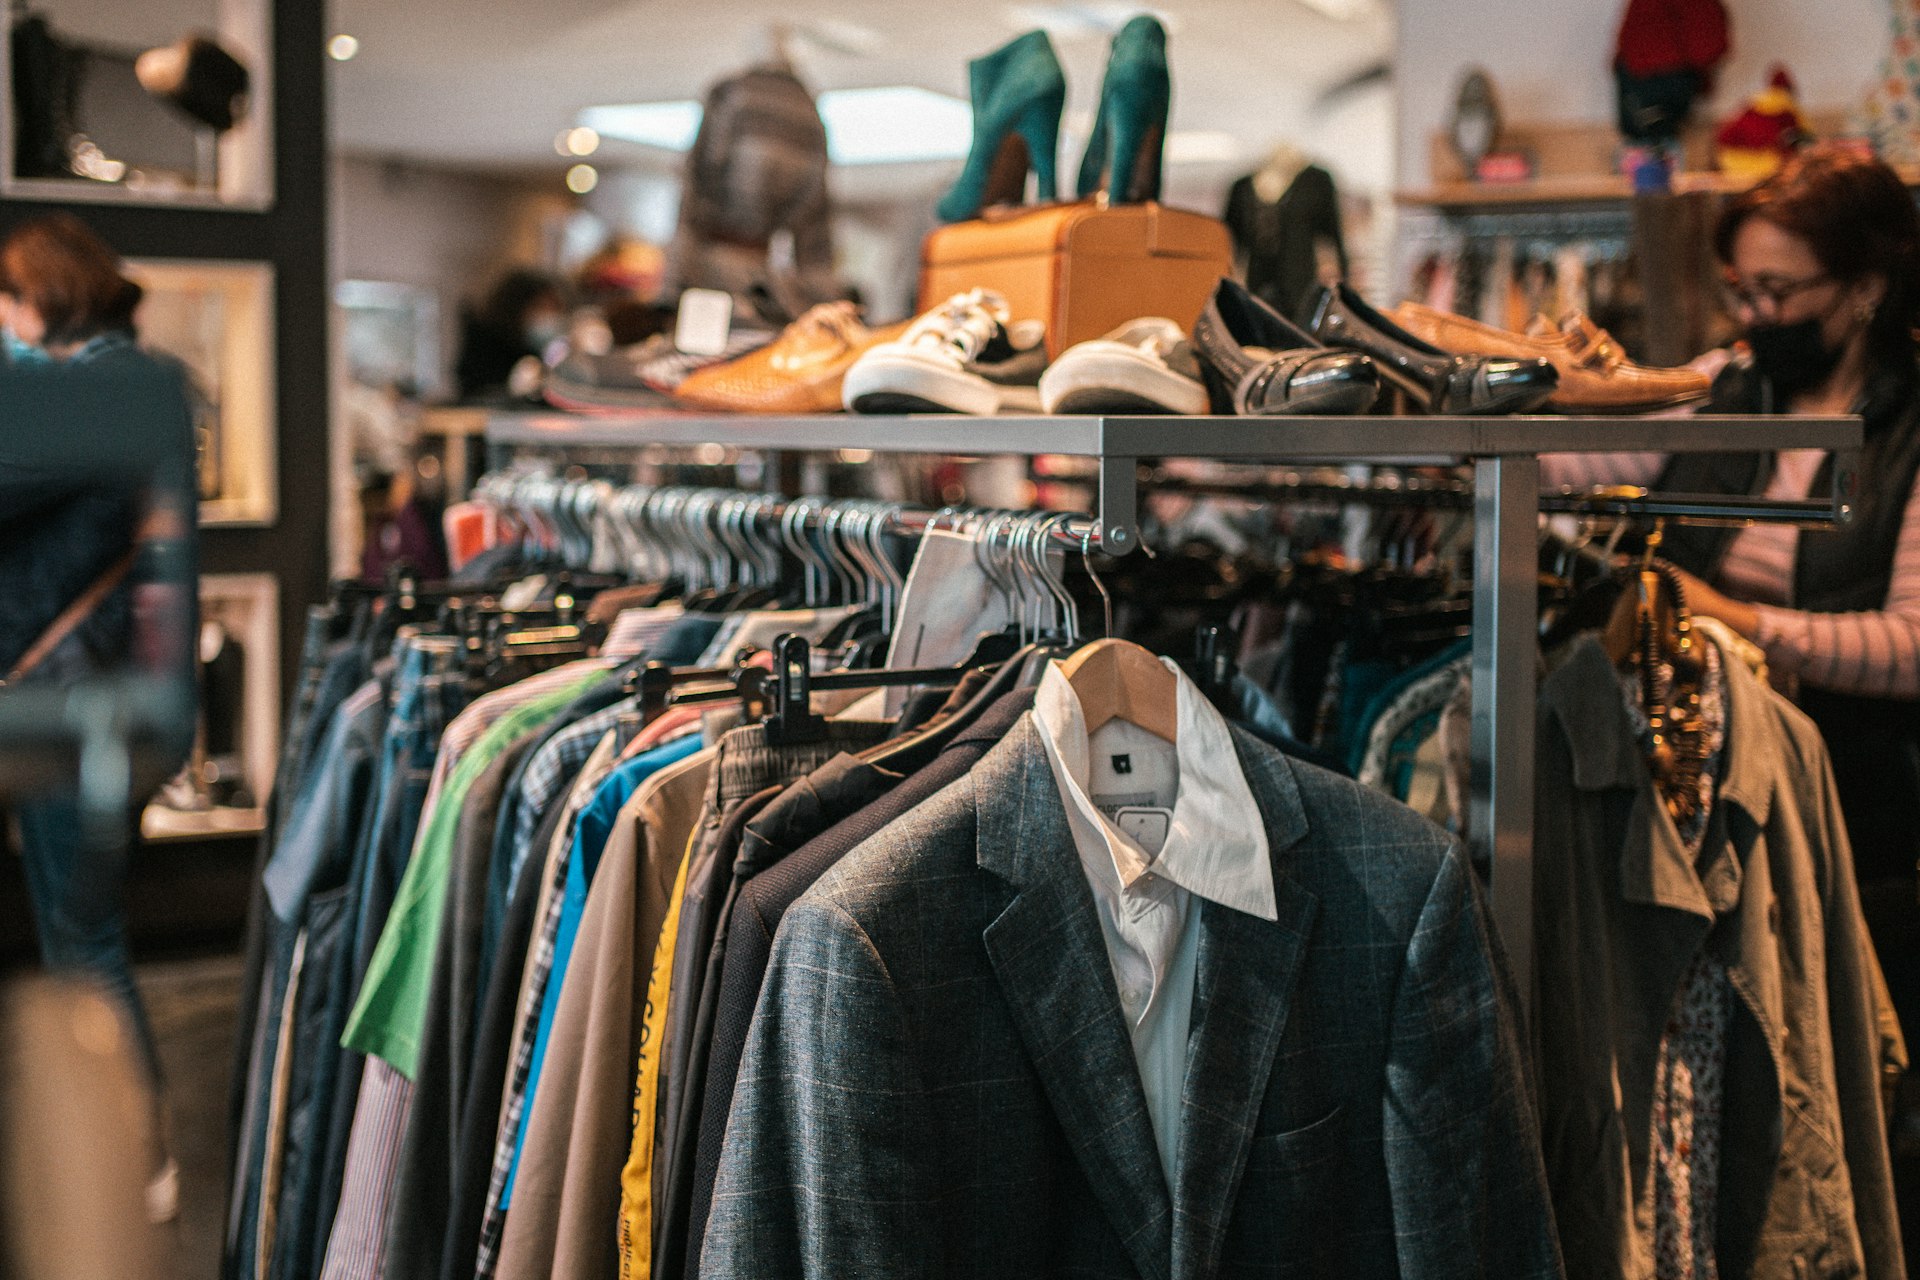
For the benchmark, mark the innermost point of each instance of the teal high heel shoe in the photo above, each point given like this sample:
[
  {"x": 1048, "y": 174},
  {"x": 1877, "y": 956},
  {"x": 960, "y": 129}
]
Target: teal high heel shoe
[
  {"x": 1018, "y": 91},
  {"x": 1124, "y": 150}
]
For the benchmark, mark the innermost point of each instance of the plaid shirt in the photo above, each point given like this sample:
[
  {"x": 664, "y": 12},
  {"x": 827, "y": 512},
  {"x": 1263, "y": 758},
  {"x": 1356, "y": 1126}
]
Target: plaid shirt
[
  {"x": 532, "y": 994},
  {"x": 552, "y": 767}
]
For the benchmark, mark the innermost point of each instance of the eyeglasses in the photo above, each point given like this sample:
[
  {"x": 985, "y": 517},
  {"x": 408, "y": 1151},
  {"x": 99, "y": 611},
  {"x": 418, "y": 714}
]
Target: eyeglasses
[{"x": 1766, "y": 293}]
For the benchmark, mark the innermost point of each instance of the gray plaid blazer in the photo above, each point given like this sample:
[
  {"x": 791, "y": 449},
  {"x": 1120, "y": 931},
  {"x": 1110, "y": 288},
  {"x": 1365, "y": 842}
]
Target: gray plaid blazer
[{"x": 939, "y": 1083}]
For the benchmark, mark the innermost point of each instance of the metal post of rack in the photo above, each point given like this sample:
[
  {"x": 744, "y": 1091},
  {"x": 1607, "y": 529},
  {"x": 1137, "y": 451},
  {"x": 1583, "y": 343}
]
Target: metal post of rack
[
  {"x": 1506, "y": 612},
  {"x": 1505, "y": 454}
]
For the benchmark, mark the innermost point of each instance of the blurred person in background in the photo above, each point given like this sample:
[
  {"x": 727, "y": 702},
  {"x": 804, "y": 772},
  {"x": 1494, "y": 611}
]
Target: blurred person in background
[
  {"x": 522, "y": 316},
  {"x": 94, "y": 579}
]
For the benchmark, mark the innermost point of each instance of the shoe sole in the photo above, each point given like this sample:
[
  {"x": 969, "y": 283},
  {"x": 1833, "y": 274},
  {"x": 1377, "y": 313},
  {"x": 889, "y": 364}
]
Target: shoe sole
[
  {"x": 1104, "y": 382},
  {"x": 894, "y": 402},
  {"x": 880, "y": 382},
  {"x": 1636, "y": 409}
]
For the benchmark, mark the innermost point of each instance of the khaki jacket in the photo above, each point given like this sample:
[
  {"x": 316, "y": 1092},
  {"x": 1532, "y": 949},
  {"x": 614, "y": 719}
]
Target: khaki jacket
[{"x": 1620, "y": 912}]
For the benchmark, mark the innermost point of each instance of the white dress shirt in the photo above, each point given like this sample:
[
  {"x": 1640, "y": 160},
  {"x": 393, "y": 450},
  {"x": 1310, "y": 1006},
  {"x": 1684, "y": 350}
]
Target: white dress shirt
[{"x": 1156, "y": 823}]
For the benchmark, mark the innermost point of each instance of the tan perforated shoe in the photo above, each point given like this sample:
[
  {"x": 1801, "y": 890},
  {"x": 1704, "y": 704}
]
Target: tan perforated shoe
[{"x": 798, "y": 372}]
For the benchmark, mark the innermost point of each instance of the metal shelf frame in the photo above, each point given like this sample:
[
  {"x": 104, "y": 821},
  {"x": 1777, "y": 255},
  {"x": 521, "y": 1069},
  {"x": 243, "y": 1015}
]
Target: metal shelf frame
[{"x": 1503, "y": 452}]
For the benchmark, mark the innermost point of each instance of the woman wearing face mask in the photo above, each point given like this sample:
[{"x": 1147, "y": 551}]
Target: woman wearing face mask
[
  {"x": 1822, "y": 269},
  {"x": 93, "y": 578}
]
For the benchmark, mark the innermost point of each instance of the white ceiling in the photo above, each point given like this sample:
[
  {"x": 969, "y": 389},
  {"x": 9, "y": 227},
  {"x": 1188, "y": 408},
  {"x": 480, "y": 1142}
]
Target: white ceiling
[{"x": 490, "y": 83}]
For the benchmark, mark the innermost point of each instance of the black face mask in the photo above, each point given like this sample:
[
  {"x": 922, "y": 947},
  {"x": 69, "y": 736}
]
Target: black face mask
[{"x": 1792, "y": 357}]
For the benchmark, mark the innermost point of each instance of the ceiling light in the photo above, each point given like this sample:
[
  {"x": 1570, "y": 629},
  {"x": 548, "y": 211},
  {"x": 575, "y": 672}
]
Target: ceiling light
[
  {"x": 1202, "y": 146},
  {"x": 892, "y": 125},
  {"x": 667, "y": 125},
  {"x": 582, "y": 141},
  {"x": 582, "y": 178},
  {"x": 1340, "y": 10},
  {"x": 342, "y": 47}
]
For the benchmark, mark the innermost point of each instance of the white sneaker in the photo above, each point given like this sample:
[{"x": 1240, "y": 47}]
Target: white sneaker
[
  {"x": 1144, "y": 366},
  {"x": 964, "y": 356}
]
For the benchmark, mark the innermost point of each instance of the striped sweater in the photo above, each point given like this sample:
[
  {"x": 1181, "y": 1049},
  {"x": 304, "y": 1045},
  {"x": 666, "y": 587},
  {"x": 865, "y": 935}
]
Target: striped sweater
[{"x": 1874, "y": 653}]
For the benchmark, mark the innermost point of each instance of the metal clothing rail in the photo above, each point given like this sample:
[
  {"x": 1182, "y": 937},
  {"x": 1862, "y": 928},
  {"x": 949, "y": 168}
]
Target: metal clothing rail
[{"x": 1506, "y": 499}]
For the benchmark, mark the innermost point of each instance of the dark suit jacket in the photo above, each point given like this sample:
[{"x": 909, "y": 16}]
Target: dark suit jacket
[
  {"x": 939, "y": 1081},
  {"x": 764, "y": 900}
]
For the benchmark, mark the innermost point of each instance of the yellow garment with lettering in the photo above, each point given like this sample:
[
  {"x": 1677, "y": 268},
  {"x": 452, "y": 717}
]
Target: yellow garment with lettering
[{"x": 636, "y": 1179}]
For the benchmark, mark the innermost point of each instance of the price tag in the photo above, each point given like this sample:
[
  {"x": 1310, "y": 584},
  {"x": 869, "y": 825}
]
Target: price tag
[{"x": 705, "y": 317}]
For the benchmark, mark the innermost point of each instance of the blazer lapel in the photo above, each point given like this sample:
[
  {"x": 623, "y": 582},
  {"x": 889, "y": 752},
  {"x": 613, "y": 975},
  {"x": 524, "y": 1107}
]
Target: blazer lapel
[
  {"x": 1051, "y": 961},
  {"x": 1248, "y": 968}
]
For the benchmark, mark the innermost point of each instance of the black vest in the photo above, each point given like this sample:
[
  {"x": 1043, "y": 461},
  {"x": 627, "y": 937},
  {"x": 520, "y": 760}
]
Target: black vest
[{"x": 1875, "y": 742}]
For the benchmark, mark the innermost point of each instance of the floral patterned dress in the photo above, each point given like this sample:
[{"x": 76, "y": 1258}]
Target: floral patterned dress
[{"x": 1689, "y": 1074}]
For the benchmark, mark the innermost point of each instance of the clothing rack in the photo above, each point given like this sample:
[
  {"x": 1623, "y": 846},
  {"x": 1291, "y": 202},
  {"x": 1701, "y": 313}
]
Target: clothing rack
[{"x": 1506, "y": 501}]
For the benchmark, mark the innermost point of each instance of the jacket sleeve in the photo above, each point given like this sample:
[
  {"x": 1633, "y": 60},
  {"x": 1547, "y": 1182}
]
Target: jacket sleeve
[
  {"x": 823, "y": 1172},
  {"x": 1462, "y": 1144},
  {"x": 1867, "y": 1044}
]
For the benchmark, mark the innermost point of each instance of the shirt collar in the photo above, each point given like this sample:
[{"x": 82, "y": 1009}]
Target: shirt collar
[{"x": 1216, "y": 843}]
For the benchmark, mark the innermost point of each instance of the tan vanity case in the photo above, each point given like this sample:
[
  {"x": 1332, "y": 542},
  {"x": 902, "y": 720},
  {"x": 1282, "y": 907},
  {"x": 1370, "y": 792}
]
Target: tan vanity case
[{"x": 1083, "y": 268}]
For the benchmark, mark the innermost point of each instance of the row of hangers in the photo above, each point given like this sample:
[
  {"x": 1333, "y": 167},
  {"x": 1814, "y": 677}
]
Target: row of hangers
[
  {"x": 724, "y": 537},
  {"x": 737, "y": 548}
]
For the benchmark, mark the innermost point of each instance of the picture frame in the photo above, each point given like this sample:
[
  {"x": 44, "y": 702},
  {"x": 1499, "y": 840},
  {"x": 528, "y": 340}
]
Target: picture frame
[
  {"x": 217, "y": 318},
  {"x": 238, "y": 746}
]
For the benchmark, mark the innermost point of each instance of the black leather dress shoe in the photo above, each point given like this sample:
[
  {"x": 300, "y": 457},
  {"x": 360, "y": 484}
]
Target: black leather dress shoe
[
  {"x": 1256, "y": 361},
  {"x": 1439, "y": 380}
]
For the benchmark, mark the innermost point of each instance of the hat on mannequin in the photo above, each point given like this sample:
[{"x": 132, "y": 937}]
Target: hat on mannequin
[{"x": 200, "y": 79}]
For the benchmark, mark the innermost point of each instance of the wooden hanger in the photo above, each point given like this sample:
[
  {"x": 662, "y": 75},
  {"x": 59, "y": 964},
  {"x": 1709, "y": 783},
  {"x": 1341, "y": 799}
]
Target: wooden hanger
[{"x": 1119, "y": 680}]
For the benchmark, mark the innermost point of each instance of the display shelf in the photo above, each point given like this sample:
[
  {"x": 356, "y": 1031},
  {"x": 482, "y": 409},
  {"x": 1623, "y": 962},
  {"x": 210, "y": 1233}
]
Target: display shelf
[
  {"x": 1505, "y": 455},
  {"x": 1586, "y": 189},
  {"x": 1117, "y": 443},
  {"x": 159, "y": 823}
]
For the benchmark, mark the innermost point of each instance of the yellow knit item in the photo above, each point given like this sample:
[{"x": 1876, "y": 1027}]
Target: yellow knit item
[{"x": 636, "y": 1179}]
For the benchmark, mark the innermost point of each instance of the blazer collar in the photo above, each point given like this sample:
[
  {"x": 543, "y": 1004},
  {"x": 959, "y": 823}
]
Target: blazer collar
[{"x": 1048, "y": 954}]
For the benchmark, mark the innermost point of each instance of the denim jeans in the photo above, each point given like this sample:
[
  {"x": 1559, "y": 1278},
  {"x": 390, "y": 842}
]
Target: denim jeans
[{"x": 79, "y": 908}]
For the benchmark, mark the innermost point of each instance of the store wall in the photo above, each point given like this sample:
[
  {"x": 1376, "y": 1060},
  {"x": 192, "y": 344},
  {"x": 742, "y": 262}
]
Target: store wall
[
  {"x": 1550, "y": 59},
  {"x": 447, "y": 230}
]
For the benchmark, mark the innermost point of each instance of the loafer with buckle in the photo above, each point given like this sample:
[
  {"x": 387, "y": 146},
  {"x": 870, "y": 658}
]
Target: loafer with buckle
[
  {"x": 1256, "y": 361},
  {"x": 1595, "y": 374},
  {"x": 1439, "y": 381}
]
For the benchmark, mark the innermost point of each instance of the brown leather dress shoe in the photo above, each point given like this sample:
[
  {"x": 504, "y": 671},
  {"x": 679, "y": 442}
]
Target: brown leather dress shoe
[
  {"x": 1595, "y": 375},
  {"x": 798, "y": 372}
]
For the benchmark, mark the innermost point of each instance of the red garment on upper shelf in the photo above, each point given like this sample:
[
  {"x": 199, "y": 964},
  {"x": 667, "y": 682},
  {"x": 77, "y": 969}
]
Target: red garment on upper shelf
[{"x": 1658, "y": 36}]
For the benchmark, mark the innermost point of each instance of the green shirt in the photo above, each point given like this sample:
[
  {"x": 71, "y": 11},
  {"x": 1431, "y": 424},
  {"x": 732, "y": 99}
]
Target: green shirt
[{"x": 391, "y": 1011}]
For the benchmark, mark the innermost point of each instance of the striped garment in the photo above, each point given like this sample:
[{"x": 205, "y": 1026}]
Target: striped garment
[
  {"x": 357, "y": 1249},
  {"x": 1871, "y": 653}
]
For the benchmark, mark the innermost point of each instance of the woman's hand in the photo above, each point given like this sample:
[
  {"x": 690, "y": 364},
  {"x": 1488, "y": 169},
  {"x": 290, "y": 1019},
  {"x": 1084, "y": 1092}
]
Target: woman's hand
[{"x": 1710, "y": 603}]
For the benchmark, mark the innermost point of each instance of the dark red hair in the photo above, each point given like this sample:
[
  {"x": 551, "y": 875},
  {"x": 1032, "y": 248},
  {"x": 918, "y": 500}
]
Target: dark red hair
[
  {"x": 69, "y": 275},
  {"x": 1857, "y": 217}
]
